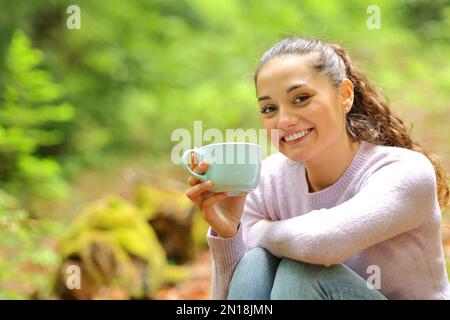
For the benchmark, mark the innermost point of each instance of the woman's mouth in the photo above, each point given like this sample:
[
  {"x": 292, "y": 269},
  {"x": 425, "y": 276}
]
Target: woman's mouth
[{"x": 296, "y": 136}]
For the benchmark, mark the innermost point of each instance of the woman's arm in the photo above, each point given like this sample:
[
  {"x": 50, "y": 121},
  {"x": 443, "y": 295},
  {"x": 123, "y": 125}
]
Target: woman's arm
[
  {"x": 396, "y": 198},
  {"x": 226, "y": 252}
]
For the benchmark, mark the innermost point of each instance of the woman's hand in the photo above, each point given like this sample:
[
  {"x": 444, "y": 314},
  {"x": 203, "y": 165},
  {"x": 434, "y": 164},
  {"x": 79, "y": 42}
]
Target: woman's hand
[{"x": 222, "y": 212}]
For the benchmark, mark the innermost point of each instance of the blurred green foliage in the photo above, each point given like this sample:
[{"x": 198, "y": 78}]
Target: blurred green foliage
[
  {"x": 28, "y": 260},
  {"x": 138, "y": 70},
  {"x": 29, "y": 119}
]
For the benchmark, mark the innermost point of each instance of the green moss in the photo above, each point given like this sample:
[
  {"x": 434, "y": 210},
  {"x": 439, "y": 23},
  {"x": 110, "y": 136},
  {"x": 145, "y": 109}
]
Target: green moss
[
  {"x": 175, "y": 274},
  {"x": 118, "y": 230},
  {"x": 152, "y": 201}
]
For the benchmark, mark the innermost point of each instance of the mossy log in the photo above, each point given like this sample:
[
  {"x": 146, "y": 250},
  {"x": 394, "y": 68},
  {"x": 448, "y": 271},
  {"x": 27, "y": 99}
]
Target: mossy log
[
  {"x": 115, "y": 248},
  {"x": 179, "y": 227}
]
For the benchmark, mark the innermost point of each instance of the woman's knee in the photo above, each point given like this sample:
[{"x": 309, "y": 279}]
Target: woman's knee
[
  {"x": 300, "y": 280},
  {"x": 290, "y": 273},
  {"x": 257, "y": 253},
  {"x": 310, "y": 272},
  {"x": 290, "y": 280},
  {"x": 254, "y": 275},
  {"x": 257, "y": 261},
  {"x": 256, "y": 257}
]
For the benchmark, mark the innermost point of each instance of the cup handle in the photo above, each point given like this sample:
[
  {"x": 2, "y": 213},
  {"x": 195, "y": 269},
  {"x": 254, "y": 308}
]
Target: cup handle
[{"x": 185, "y": 161}]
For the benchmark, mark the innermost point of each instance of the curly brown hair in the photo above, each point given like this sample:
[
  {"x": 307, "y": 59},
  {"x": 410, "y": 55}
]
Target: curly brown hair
[{"x": 370, "y": 117}]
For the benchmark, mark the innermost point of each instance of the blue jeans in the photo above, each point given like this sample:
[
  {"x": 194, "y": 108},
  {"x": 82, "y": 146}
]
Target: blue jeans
[{"x": 261, "y": 276}]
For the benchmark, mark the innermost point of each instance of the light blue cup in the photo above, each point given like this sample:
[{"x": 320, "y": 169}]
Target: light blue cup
[{"x": 233, "y": 167}]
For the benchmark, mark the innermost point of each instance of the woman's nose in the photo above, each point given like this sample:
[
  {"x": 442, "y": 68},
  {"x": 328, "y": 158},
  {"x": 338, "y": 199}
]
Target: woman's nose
[{"x": 286, "y": 120}]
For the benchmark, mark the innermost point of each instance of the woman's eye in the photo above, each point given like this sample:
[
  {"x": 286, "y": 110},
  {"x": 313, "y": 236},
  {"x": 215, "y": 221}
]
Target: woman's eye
[
  {"x": 267, "y": 109},
  {"x": 301, "y": 98}
]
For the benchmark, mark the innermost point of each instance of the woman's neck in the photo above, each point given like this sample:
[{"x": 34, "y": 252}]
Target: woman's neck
[{"x": 328, "y": 166}]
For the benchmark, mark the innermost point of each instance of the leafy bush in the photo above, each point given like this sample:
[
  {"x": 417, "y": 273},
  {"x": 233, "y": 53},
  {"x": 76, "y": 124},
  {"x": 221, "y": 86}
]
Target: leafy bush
[{"x": 31, "y": 114}]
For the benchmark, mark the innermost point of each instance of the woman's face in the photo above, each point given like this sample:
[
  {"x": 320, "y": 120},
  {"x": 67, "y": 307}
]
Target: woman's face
[{"x": 302, "y": 104}]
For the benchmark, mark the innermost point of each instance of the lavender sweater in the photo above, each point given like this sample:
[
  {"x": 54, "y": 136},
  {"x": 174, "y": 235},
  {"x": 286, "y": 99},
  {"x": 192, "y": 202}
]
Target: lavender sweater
[{"x": 382, "y": 211}]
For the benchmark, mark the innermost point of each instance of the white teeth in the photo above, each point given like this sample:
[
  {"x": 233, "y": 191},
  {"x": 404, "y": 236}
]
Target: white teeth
[{"x": 296, "y": 135}]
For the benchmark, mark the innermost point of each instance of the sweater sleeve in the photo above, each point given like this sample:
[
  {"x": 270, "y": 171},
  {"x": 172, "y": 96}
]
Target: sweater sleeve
[
  {"x": 226, "y": 252},
  {"x": 396, "y": 198}
]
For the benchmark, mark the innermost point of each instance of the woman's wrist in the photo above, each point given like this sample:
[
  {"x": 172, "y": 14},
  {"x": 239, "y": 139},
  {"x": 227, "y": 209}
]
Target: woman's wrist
[{"x": 227, "y": 235}]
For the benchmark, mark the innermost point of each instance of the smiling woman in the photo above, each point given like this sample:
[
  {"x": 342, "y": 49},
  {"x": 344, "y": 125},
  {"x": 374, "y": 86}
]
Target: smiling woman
[
  {"x": 348, "y": 193},
  {"x": 303, "y": 105},
  {"x": 306, "y": 84}
]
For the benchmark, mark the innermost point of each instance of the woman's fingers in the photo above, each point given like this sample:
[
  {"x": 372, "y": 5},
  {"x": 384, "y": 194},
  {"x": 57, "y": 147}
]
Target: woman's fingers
[
  {"x": 199, "y": 191},
  {"x": 200, "y": 169},
  {"x": 193, "y": 163},
  {"x": 195, "y": 193},
  {"x": 193, "y": 166}
]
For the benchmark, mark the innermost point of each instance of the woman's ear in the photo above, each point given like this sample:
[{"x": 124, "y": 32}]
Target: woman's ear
[{"x": 346, "y": 94}]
